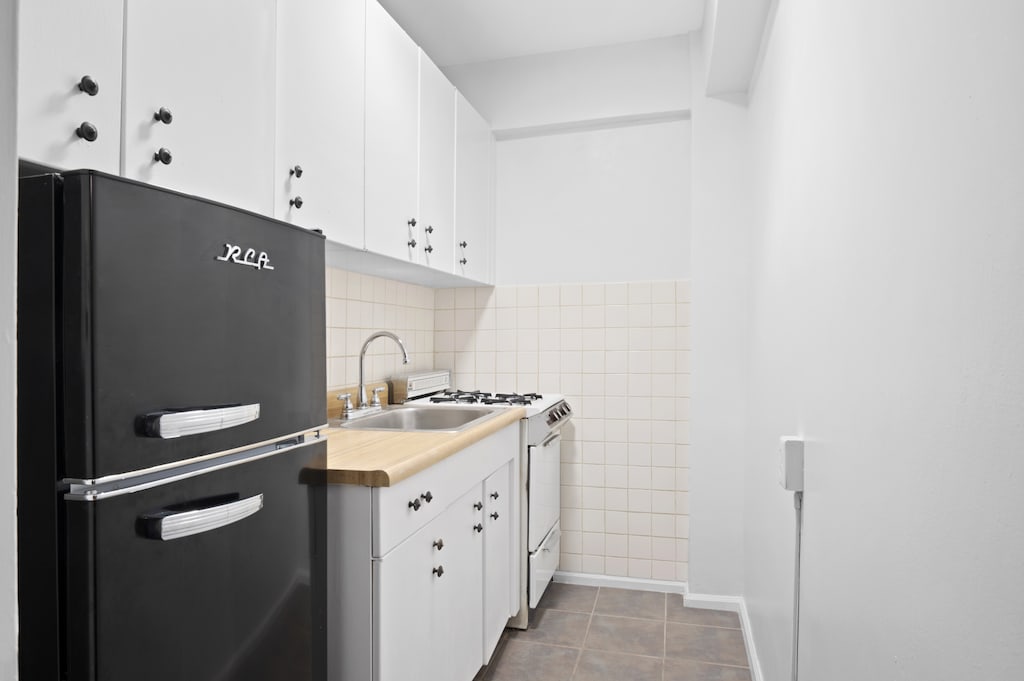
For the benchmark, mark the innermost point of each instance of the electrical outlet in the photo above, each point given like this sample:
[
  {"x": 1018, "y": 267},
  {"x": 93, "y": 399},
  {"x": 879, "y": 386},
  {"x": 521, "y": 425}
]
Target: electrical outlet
[{"x": 791, "y": 463}]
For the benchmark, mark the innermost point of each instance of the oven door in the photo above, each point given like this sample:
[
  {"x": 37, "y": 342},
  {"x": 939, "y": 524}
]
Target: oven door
[{"x": 545, "y": 491}]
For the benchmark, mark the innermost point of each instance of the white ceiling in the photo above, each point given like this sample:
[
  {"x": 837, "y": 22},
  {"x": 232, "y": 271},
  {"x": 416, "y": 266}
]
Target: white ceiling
[{"x": 466, "y": 31}]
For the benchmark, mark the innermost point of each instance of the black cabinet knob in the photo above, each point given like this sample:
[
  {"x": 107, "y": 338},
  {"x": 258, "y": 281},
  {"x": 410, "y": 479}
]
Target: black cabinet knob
[
  {"x": 412, "y": 222},
  {"x": 428, "y": 249},
  {"x": 429, "y": 229},
  {"x": 494, "y": 495},
  {"x": 87, "y": 131},
  {"x": 439, "y": 544},
  {"x": 297, "y": 202},
  {"x": 463, "y": 261},
  {"x": 296, "y": 171},
  {"x": 89, "y": 86},
  {"x": 163, "y": 115},
  {"x": 478, "y": 527},
  {"x": 463, "y": 244},
  {"x": 164, "y": 156},
  {"x": 495, "y": 515},
  {"x": 412, "y": 243},
  {"x": 415, "y": 504},
  {"x": 427, "y": 496},
  {"x": 479, "y": 505},
  {"x": 439, "y": 570}
]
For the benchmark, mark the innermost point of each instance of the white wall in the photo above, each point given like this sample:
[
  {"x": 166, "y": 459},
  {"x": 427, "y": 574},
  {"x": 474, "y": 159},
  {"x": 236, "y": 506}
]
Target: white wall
[
  {"x": 8, "y": 369},
  {"x": 886, "y": 326},
  {"x": 645, "y": 77},
  {"x": 595, "y": 206},
  {"x": 721, "y": 221}
]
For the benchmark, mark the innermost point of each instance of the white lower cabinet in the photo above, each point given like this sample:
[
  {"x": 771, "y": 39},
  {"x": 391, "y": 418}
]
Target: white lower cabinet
[{"x": 421, "y": 574}]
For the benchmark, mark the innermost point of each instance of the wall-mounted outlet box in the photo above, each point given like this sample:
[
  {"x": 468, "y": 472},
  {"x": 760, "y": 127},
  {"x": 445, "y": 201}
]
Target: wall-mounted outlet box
[{"x": 791, "y": 463}]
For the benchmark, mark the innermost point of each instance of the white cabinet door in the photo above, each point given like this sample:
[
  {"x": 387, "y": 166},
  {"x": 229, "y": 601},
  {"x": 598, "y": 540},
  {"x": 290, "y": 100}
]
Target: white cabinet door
[
  {"x": 474, "y": 187},
  {"x": 498, "y": 556},
  {"x": 459, "y": 623},
  {"x": 392, "y": 131},
  {"x": 211, "y": 65},
  {"x": 318, "y": 173},
  {"x": 60, "y": 43},
  {"x": 437, "y": 165}
]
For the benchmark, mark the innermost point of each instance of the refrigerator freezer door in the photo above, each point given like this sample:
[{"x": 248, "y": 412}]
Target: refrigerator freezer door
[{"x": 171, "y": 304}]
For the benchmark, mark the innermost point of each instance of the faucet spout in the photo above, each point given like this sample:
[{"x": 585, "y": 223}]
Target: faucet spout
[{"x": 362, "y": 361}]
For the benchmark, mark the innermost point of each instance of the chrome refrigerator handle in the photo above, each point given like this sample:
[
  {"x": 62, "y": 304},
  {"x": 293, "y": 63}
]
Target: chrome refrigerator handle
[
  {"x": 178, "y": 422},
  {"x": 167, "y": 526}
]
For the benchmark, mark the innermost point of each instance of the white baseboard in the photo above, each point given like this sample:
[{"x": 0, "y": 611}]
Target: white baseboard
[
  {"x": 620, "y": 582},
  {"x": 738, "y": 605}
]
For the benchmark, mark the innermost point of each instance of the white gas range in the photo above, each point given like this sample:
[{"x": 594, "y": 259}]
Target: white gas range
[{"x": 540, "y": 470}]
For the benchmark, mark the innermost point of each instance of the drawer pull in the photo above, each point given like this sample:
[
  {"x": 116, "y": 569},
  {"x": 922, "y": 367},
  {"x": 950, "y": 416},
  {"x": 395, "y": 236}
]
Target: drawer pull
[
  {"x": 415, "y": 504},
  {"x": 494, "y": 495},
  {"x": 478, "y": 505},
  {"x": 427, "y": 496},
  {"x": 478, "y": 527},
  {"x": 495, "y": 515},
  {"x": 439, "y": 544},
  {"x": 439, "y": 570}
]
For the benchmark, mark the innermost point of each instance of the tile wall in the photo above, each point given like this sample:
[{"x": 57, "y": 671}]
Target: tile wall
[
  {"x": 620, "y": 353},
  {"x": 358, "y": 305}
]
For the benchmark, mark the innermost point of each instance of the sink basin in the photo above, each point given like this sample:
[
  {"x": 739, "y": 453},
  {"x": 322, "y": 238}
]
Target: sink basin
[{"x": 412, "y": 418}]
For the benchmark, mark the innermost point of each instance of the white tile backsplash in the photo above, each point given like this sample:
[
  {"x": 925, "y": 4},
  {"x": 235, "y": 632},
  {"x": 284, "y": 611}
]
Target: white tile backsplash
[{"x": 620, "y": 354}]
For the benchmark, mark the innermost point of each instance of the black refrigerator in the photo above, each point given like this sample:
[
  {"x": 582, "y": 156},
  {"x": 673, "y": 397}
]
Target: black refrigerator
[{"x": 171, "y": 386}]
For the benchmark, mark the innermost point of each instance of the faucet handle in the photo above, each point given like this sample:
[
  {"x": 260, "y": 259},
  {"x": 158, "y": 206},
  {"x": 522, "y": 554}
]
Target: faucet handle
[
  {"x": 347, "y": 398},
  {"x": 375, "y": 402}
]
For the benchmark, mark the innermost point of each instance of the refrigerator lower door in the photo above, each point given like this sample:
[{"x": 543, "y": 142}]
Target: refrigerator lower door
[{"x": 217, "y": 577}]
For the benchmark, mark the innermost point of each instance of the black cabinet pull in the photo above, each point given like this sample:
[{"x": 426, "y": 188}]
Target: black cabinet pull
[
  {"x": 87, "y": 131},
  {"x": 163, "y": 115},
  {"x": 164, "y": 156},
  {"x": 415, "y": 504},
  {"x": 427, "y": 496},
  {"x": 412, "y": 243},
  {"x": 89, "y": 86},
  {"x": 463, "y": 244},
  {"x": 296, "y": 171},
  {"x": 439, "y": 570},
  {"x": 428, "y": 249},
  {"x": 429, "y": 229},
  {"x": 478, "y": 527},
  {"x": 463, "y": 261},
  {"x": 412, "y": 222},
  {"x": 494, "y": 495},
  {"x": 297, "y": 202},
  {"x": 478, "y": 505},
  {"x": 495, "y": 515},
  {"x": 439, "y": 544}
]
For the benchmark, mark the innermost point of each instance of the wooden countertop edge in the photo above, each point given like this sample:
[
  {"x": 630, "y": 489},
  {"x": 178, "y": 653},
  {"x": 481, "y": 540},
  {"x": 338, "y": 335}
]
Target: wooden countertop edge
[{"x": 378, "y": 458}]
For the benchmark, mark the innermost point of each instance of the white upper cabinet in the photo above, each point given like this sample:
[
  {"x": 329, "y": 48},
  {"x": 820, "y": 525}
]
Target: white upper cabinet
[
  {"x": 69, "y": 83},
  {"x": 199, "y": 98},
  {"x": 437, "y": 166},
  {"x": 392, "y": 132},
  {"x": 318, "y": 173},
  {"x": 474, "y": 194}
]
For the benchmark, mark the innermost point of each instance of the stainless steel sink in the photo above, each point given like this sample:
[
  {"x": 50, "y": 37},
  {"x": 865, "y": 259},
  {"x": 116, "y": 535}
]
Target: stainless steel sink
[{"x": 413, "y": 418}]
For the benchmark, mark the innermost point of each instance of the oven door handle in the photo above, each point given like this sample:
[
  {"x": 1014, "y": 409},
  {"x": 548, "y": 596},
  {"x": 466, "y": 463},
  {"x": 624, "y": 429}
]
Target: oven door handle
[
  {"x": 175, "y": 525},
  {"x": 550, "y": 439}
]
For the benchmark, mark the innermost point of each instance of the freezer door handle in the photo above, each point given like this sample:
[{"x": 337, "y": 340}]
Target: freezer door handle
[
  {"x": 171, "y": 523},
  {"x": 193, "y": 420}
]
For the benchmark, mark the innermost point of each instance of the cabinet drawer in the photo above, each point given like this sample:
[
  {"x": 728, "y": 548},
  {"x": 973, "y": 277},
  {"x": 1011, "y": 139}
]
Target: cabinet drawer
[{"x": 402, "y": 509}]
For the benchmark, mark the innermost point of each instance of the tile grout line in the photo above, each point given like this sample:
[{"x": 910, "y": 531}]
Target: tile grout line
[{"x": 586, "y": 633}]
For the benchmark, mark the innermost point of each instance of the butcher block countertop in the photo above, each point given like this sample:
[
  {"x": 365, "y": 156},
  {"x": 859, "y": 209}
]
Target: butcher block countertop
[{"x": 381, "y": 458}]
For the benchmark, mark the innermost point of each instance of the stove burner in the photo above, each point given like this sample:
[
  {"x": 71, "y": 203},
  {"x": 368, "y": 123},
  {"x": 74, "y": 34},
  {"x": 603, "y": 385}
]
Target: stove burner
[{"x": 480, "y": 397}]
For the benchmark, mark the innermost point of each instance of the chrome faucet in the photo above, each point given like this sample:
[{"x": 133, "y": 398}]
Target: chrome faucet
[{"x": 363, "y": 403}]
